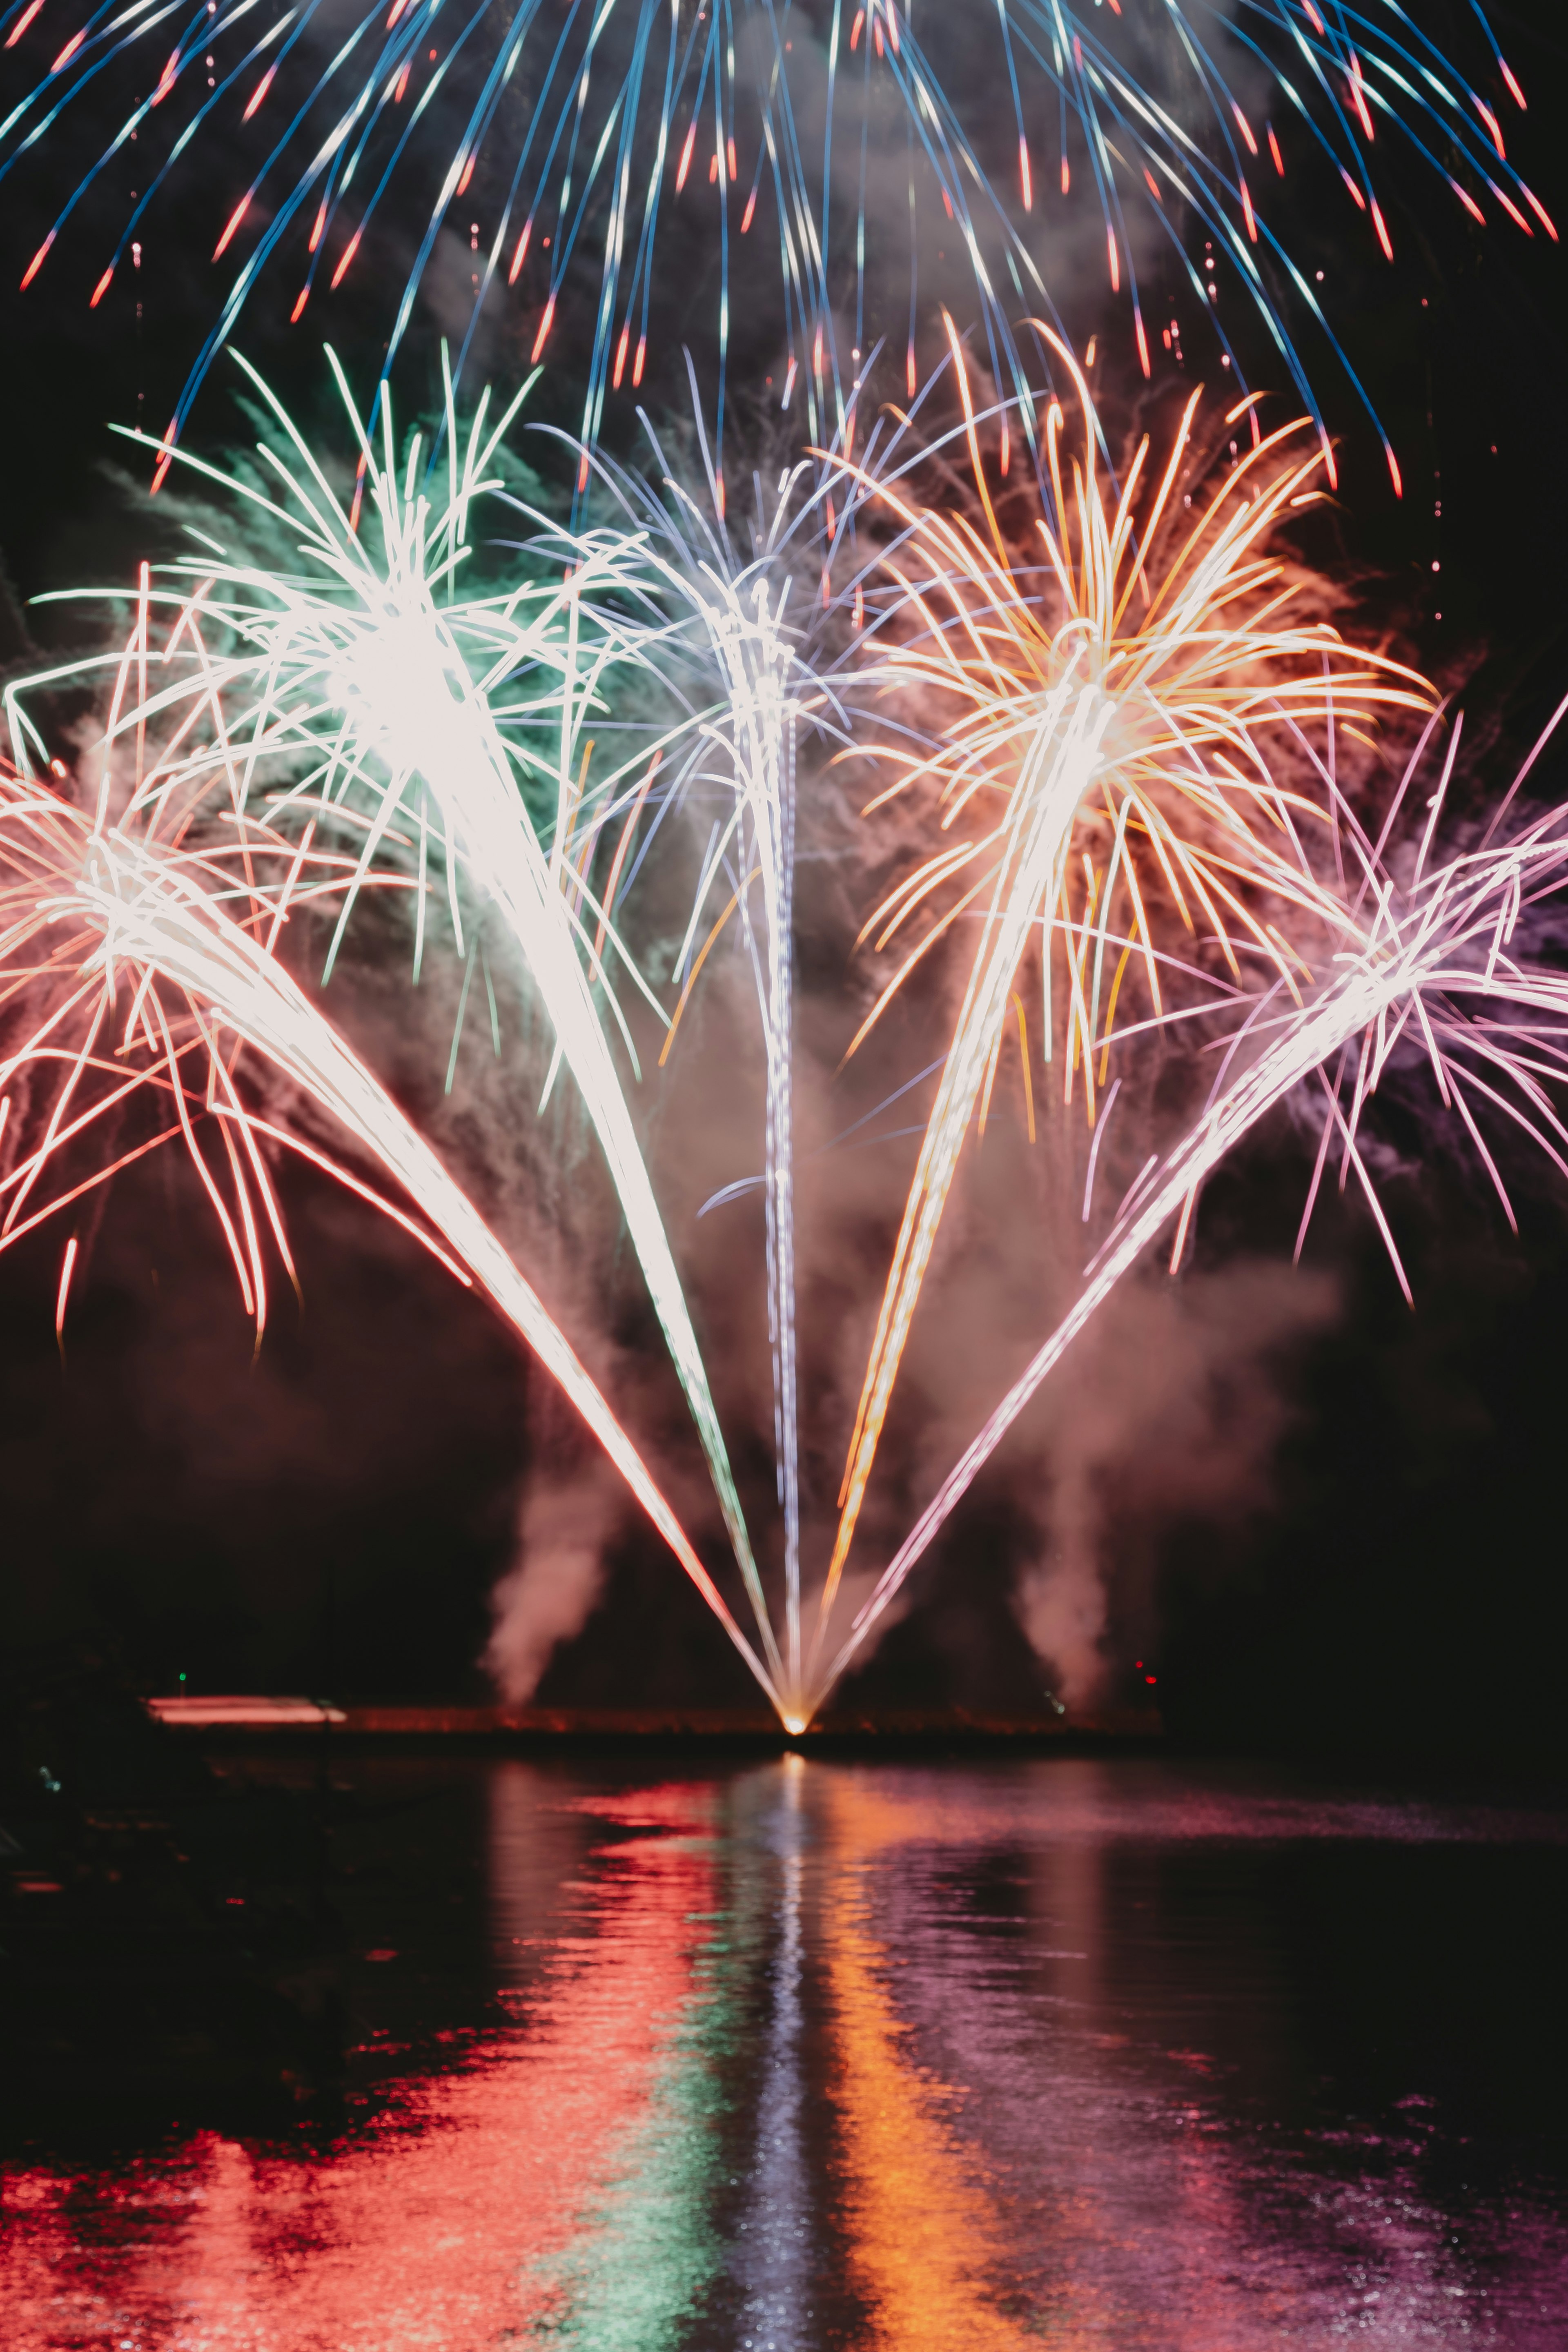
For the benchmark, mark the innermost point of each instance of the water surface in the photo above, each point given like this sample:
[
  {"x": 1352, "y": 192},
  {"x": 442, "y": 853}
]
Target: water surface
[{"x": 797, "y": 2056}]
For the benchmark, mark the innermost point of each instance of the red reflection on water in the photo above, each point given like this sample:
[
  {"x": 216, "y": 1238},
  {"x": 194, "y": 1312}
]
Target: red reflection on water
[{"x": 424, "y": 2231}]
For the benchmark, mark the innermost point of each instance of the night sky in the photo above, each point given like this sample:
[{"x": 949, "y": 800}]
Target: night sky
[{"x": 334, "y": 1515}]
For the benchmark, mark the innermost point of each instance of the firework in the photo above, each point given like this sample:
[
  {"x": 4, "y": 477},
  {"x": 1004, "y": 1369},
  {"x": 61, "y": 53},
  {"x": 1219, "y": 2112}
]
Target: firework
[
  {"x": 589, "y": 139},
  {"x": 1109, "y": 717},
  {"x": 402, "y": 699},
  {"x": 1433, "y": 971},
  {"x": 144, "y": 956},
  {"x": 754, "y": 680},
  {"x": 1122, "y": 756}
]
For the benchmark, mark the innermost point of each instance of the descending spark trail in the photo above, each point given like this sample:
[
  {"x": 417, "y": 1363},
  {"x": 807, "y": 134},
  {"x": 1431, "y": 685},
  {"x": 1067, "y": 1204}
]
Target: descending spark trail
[
  {"x": 389, "y": 683},
  {"x": 1434, "y": 971},
  {"x": 137, "y": 918},
  {"x": 1079, "y": 727},
  {"x": 598, "y": 124}
]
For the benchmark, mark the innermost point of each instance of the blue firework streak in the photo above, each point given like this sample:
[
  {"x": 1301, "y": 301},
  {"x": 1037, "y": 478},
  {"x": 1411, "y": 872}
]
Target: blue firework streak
[{"x": 605, "y": 127}]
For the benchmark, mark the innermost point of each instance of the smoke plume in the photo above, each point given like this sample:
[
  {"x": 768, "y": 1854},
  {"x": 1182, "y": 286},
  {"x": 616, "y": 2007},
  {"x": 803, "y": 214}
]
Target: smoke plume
[
  {"x": 1174, "y": 1412},
  {"x": 567, "y": 1517}
]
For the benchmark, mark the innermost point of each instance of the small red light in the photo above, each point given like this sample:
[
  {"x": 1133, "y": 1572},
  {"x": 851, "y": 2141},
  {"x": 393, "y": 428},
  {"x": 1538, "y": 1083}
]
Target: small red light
[{"x": 1149, "y": 1678}]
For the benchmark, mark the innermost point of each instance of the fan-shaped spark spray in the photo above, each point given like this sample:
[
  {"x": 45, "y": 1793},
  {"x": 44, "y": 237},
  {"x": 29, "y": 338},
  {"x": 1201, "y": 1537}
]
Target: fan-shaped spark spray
[
  {"x": 369, "y": 668},
  {"x": 753, "y": 678},
  {"x": 143, "y": 952},
  {"x": 1112, "y": 712},
  {"x": 1112, "y": 707},
  {"x": 1432, "y": 968}
]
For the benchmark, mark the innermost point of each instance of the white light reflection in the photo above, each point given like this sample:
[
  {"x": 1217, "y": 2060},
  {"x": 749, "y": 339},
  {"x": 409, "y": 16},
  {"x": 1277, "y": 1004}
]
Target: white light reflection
[{"x": 775, "y": 2256}]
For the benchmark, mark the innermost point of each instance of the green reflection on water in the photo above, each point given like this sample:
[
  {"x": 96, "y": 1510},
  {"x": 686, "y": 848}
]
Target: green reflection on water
[{"x": 646, "y": 2250}]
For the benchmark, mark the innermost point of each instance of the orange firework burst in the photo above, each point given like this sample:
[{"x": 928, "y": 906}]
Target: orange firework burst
[{"x": 1111, "y": 715}]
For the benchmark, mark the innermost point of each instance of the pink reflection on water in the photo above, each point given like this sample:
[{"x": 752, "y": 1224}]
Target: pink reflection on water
[
  {"x": 1103, "y": 2180},
  {"x": 427, "y": 2230}
]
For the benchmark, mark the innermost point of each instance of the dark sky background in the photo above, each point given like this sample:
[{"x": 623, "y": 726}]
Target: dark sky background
[{"x": 335, "y": 1515}]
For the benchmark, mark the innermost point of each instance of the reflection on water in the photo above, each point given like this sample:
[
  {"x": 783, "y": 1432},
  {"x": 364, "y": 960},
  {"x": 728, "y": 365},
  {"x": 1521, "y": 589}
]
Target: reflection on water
[
  {"x": 902, "y": 2059},
  {"x": 923, "y": 2241},
  {"x": 773, "y": 2258}
]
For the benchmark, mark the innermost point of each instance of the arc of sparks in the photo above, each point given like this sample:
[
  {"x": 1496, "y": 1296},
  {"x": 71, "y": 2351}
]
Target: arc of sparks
[
  {"x": 1433, "y": 971},
  {"x": 372, "y": 664},
  {"x": 1146, "y": 725},
  {"x": 756, "y": 684},
  {"x": 181, "y": 936}
]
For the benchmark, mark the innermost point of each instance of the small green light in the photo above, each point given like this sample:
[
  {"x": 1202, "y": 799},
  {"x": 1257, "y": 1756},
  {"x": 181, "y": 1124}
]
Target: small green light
[{"x": 182, "y": 1679}]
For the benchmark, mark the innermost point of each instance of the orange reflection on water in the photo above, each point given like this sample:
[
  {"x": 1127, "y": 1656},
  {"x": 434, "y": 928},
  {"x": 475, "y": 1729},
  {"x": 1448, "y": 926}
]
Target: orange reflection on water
[
  {"x": 925, "y": 2243},
  {"x": 430, "y": 2233}
]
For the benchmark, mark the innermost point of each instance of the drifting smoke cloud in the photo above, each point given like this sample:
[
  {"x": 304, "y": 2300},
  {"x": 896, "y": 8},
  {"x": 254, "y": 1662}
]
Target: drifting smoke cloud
[
  {"x": 449, "y": 290},
  {"x": 1173, "y": 1408},
  {"x": 1174, "y": 1412},
  {"x": 569, "y": 1511}
]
